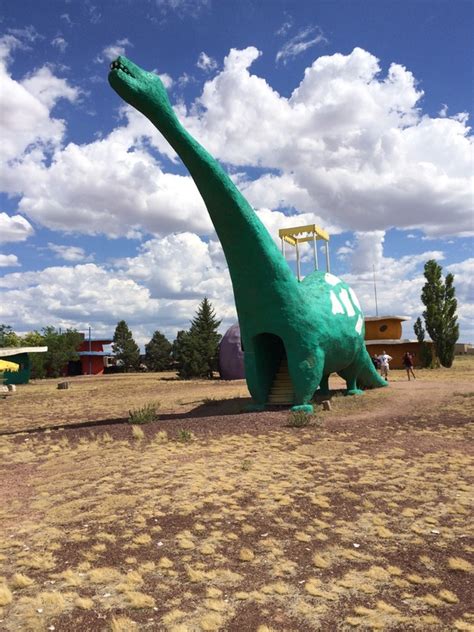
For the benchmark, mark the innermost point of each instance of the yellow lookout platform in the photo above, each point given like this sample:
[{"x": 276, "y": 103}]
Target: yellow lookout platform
[{"x": 302, "y": 234}]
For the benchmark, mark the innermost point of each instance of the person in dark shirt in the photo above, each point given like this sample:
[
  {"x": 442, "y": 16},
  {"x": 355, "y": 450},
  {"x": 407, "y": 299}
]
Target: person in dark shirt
[{"x": 408, "y": 364}]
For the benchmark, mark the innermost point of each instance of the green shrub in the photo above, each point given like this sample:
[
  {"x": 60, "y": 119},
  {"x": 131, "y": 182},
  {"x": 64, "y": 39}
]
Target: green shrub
[
  {"x": 143, "y": 415},
  {"x": 185, "y": 436},
  {"x": 300, "y": 419}
]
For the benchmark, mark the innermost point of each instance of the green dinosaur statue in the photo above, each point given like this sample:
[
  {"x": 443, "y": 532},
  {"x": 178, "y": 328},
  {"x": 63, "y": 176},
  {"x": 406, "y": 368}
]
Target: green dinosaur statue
[{"x": 317, "y": 324}]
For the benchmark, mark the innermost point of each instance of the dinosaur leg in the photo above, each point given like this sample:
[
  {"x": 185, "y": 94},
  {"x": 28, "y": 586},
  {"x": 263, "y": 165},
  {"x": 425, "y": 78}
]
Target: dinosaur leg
[
  {"x": 306, "y": 371},
  {"x": 352, "y": 387},
  {"x": 349, "y": 374},
  {"x": 367, "y": 375},
  {"x": 361, "y": 372}
]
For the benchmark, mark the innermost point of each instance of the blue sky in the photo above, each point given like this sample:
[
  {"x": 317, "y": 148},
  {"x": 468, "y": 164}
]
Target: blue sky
[{"x": 352, "y": 115}]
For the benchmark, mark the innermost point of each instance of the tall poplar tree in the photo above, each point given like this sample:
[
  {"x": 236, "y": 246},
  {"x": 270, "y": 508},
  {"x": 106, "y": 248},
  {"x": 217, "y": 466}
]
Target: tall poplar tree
[
  {"x": 426, "y": 357},
  {"x": 125, "y": 348},
  {"x": 438, "y": 297}
]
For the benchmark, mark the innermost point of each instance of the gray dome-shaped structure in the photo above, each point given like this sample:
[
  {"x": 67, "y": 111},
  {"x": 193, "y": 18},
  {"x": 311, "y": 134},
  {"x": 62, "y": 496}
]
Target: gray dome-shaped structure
[{"x": 231, "y": 356}]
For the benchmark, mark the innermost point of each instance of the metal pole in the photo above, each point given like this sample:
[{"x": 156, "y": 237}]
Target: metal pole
[
  {"x": 375, "y": 292},
  {"x": 298, "y": 261},
  {"x": 328, "y": 267},
  {"x": 315, "y": 252},
  {"x": 90, "y": 350}
]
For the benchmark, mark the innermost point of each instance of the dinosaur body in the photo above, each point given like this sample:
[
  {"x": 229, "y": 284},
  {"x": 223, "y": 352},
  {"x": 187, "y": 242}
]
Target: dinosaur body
[{"x": 316, "y": 324}]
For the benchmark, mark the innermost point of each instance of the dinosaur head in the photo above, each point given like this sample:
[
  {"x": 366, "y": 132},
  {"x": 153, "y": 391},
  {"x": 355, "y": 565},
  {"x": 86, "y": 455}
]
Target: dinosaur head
[{"x": 141, "y": 89}]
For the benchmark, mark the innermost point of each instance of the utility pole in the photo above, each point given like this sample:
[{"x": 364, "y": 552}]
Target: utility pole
[
  {"x": 375, "y": 292},
  {"x": 90, "y": 349}
]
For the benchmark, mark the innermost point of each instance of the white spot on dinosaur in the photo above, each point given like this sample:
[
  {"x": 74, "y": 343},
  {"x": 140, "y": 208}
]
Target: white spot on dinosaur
[
  {"x": 336, "y": 305},
  {"x": 331, "y": 279},
  {"x": 354, "y": 298},
  {"x": 344, "y": 296},
  {"x": 358, "y": 327}
]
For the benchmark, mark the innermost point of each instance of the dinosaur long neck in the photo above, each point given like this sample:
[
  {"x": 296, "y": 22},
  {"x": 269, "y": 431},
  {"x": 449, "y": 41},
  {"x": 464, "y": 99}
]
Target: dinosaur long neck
[{"x": 256, "y": 265}]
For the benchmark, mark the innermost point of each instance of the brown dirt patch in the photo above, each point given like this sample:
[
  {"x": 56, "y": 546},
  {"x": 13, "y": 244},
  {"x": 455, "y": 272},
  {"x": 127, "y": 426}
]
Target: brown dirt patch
[{"x": 362, "y": 520}]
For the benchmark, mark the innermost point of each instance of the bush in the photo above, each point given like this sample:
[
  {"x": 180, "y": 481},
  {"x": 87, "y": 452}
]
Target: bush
[
  {"x": 143, "y": 415},
  {"x": 300, "y": 419},
  {"x": 185, "y": 436}
]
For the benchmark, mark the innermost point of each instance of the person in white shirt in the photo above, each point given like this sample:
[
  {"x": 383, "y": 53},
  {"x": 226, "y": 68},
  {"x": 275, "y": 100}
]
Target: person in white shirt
[{"x": 385, "y": 364}]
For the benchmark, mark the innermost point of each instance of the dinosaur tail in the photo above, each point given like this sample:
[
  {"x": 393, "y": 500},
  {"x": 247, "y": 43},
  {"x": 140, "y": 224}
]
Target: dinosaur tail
[{"x": 368, "y": 376}]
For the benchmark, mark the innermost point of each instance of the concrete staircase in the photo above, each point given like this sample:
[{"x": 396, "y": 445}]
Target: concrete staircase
[{"x": 281, "y": 392}]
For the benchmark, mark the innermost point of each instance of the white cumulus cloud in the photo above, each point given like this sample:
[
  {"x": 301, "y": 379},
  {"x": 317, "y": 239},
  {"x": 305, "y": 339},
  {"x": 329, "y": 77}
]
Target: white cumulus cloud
[
  {"x": 102, "y": 187},
  {"x": 14, "y": 228},
  {"x": 349, "y": 145},
  {"x": 112, "y": 51},
  {"x": 26, "y": 122},
  {"x": 69, "y": 253},
  {"x": 8, "y": 261},
  {"x": 354, "y": 142}
]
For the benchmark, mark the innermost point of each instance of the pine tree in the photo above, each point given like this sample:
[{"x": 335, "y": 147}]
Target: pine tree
[
  {"x": 125, "y": 348},
  {"x": 177, "y": 348},
  {"x": 438, "y": 297},
  {"x": 158, "y": 353},
  {"x": 196, "y": 351}
]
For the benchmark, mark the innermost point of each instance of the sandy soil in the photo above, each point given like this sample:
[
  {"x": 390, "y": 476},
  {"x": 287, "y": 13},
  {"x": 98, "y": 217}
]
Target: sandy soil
[{"x": 211, "y": 518}]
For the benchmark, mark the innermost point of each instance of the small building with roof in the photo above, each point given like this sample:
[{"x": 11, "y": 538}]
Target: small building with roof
[
  {"x": 92, "y": 358},
  {"x": 19, "y": 355},
  {"x": 384, "y": 333}
]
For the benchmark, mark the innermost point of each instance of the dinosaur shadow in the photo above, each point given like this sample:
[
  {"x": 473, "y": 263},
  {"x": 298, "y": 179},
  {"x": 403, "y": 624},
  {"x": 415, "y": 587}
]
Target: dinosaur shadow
[
  {"x": 94, "y": 423},
  {"x": 214, "y": 408},
  {"x": 238, "y": 406}
]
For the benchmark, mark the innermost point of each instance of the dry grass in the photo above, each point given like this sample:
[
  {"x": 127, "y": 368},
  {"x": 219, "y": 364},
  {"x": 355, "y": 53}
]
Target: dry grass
[
  {"x": 40, "y": 404},
  {"x": 363, "y": 523}
]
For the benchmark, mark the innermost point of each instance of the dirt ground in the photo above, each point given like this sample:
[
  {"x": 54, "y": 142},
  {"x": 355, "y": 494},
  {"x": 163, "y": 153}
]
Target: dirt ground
[{"x": 213, "y": 518}]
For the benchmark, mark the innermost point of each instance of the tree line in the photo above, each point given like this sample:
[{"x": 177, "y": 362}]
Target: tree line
[
  {"x": 193, "y": 354},
  {"x": 62, "y": 347}
]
